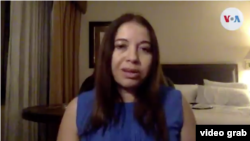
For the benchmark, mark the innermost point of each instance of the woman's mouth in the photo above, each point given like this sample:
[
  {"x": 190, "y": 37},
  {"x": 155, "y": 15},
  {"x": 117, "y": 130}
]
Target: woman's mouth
[{"x": 131, "y": 73}]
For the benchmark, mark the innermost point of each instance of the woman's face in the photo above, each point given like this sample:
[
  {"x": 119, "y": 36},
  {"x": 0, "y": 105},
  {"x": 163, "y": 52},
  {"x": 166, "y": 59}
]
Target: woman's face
[{"x": 131, "y": 59}]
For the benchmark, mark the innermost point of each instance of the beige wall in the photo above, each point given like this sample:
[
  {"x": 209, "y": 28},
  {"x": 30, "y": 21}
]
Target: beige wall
[{"x": 188, "y": 32}]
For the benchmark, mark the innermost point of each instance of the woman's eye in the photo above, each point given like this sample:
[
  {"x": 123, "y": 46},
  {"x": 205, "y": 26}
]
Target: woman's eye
[
  {"x": 145, "y": 49},
  {"x": 120, "y": 46}
]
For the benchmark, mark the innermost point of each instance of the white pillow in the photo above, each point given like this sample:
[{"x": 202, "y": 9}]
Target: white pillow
[
  {"x": 188, "y": 91},
  {"x": 227, "y": 85},
  {"x": 223, "y": 96}
]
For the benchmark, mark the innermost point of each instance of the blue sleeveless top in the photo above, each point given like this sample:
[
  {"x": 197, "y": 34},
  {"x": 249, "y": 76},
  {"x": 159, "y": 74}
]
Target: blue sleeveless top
[{"x": 129, "y": 129}]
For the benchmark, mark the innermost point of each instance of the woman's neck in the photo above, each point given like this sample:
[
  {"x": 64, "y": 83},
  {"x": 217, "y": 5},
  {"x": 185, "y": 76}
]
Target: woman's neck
[{"x": 128, "y": 95}]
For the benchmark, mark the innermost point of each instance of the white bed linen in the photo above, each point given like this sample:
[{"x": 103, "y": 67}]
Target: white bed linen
[{"x": 223, "y": 115}]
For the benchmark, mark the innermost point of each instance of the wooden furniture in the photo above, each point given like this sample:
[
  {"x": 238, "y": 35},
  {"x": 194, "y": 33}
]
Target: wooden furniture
[
  {"x": 188, "y": 74},
  {"x": 195, "y": 73},
  {"x": 88, "y": 84},
  {"x": 44, "y": 114},
  {"x": 50, "y": 116}
]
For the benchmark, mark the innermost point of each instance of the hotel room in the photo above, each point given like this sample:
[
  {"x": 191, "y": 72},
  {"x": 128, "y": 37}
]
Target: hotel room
[
  {"x": 205, "y": 61},
  {"x": 208, "y": 63}
]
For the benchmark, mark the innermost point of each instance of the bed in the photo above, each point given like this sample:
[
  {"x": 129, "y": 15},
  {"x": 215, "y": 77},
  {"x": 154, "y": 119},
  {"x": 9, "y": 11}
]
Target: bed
[{"x": 194, "y": 74}]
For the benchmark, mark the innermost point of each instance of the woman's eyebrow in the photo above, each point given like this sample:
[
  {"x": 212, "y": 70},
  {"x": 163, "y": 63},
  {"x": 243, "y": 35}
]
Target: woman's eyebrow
[
  {"x": 145, "y": 42},
  {"x": 121, "y": 39},
  {"x": 125, "y": 40}
]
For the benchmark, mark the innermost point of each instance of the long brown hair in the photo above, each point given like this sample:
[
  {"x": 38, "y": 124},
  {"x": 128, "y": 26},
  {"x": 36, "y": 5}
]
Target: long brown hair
[{"x": 148, "y": 108}]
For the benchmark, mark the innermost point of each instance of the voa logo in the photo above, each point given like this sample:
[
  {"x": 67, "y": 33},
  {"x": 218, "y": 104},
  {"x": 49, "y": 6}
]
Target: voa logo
[{"x": 231, "y": 19}]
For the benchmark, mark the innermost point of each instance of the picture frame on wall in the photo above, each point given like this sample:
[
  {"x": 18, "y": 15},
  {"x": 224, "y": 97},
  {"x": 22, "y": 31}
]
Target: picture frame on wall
[{"x": 96, "y": 33}]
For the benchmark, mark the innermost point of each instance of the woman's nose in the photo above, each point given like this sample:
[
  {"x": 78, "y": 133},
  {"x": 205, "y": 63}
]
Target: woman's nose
[{"x": 132, "y": 56}]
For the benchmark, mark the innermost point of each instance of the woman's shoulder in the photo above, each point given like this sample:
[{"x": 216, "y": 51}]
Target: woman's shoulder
[
  {"x": 85, "y": 103},
  {"x": 170, "y": 94},
  {"x": 85, "y": 100},
  {"x": 86, "y": 96},
  {"x": 172, "y": 103}
]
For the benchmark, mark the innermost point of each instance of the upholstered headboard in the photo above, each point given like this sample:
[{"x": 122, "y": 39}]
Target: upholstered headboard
[
  {"x": 189, "y": 74},
  {"x": 195, "y": 73}
]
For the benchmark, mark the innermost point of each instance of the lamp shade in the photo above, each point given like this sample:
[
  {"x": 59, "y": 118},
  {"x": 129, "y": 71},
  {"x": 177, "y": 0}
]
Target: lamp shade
[{"x": 248, "y": 55}]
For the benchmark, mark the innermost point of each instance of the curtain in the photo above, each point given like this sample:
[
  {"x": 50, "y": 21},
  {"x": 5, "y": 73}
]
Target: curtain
[
  {"x": 27, "y": 67},
  {"x": 64, "y": 64}
]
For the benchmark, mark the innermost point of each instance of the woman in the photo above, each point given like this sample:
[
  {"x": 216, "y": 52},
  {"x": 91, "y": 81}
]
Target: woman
[{"x": 129, "y": 101}]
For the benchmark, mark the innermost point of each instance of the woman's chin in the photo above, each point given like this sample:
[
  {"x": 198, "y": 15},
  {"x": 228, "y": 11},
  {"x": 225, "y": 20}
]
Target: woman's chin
[{"x": 129, "y": 83}]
